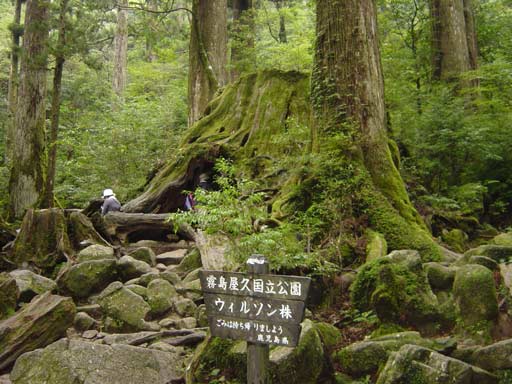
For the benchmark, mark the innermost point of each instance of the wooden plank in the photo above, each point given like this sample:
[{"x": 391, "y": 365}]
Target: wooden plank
[
  {"x": 255, "y": 331},
  {"x": 255, "y": 308},
  {"x": 255, "y": 285}
]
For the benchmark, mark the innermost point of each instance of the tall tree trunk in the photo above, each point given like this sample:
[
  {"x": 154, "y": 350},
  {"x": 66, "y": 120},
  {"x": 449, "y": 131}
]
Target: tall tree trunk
[
  {"x": 348, "y": 99},
  {"x": 48, "y": 196},
  {"x": 454, "y": 48},
  {"x": 151, "y": 33},
  {"x": 16, "y": 32},
  {"x": 26, "y": 181},
  {"x": 119, "y": 77},
  {"x": 243, "y": 31},
  {"x": 207, "y": 54}
]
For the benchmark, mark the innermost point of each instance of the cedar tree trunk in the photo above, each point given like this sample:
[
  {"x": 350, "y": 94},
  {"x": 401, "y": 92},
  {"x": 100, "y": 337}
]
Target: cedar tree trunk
[{"x": 26, "y": 181}]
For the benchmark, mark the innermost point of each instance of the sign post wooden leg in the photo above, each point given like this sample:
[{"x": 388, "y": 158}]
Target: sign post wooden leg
[{"x": 257, "y": 354}]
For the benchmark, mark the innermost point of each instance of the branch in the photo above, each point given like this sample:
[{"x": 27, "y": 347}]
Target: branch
[{"x": 140, "y": 7}]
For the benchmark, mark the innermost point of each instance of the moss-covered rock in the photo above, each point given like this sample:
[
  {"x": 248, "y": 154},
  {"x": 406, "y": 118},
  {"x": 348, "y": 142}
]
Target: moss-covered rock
[
  {"x": 376, "y": 246},
  {"x": 368, "y": 356},
  {"x": 43, "y": 240},
  {"x": 41, "y": 322},
  {"x": 96, "y": 252},
  {"x": 83, "y": 279},
  {"x": 418, "y": 365},
  {"x": 84, "y": 322},
  {"x": 130, "y": 268},
  {"x": 161, "y": 295},
  {"x": 499, "y": 253},
  {"x": 184, "y": 307},
  {"x": 329, "y": 334},
  {"x": 9, "y": 293},
  {"x": 31, "y": 284},
  {"x": 476, "y": 297},
  {"x": 494, "y": 357},
  {"x": 504, "y": 239},
  {"x": 190, "y": 262},
  {"x": 397, "y": 289},
  {"x": 456, "y": 239},
  {"x": 439, "y": 276},
  {"x": 484, "y": 261},
  {"x": 145, "y": 254},
  {"x": 124, "y": 306},
  {"x": 77, "y": 361}
]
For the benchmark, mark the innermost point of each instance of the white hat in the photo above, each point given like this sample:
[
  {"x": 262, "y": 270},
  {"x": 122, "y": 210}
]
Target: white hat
[{"x": 108, "y": 192}]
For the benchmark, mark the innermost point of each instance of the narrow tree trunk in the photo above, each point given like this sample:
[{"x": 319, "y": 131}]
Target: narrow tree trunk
[
  {"x": 243, "y": 31},
  {"x": 26, "y": 181},
  {"x": 150, "y": 37},
  {"x": 453, "y": 49},
  {"x": 16, "y": 32},
  {"x": 48, "y": 197},
  {"x": 207, "y": 54},
  {"x": 282, "y": 23},
  {"x": 119, "y": 77},
  {"x": 348, "y": 99}
]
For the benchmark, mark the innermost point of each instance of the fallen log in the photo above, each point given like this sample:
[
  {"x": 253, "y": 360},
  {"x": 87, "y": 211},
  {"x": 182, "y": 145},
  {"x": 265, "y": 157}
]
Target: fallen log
[{"x": 131, "y": 227}]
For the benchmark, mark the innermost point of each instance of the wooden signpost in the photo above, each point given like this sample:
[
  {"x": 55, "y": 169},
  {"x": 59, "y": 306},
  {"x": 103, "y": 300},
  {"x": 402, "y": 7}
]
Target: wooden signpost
[{"x": 260, "y": 308}]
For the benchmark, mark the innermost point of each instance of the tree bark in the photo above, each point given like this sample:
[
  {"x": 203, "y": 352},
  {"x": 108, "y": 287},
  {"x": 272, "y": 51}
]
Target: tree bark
[
  {"x": 243, "y": 31},
  {"x": 348, "y": 99},
  {"x": 454, "y": 48},
  {"x": 150, "y": 36},
  {"x": 26, "y": 180},
  {"x": 48, "y": 196},
  {"x": 207, "y": 54},
  {"x": 282, "y": 22},
  {"x": 12, "y": 93},
  {"x": 119, "y": 77}
]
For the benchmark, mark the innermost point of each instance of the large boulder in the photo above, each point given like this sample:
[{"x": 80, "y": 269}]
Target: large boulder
[
  {"x": 366, "y": 357},
  {"x": 128, "y": 309},
  {"x": 43, "y": 240},
  {"x": 96, "y": 252},
  {"x": 413, "y": 364},
  {"x": 439, "y": 276},
  {"x": 9, "y": 293},
  {"x": 130, "y": 268},
  {"x": 83, "y": 279},
  {"x": 477, "y": 300},
  {"x": 31, "y": 284},
  {"x": 145, "y": 254},
  {"x": 494, "y": 357},
  {"x": 81, "y": 362},
  {"x": 397, "y": 289},
  {"x": 160, "y": 296},
  {"x": 41, "y": 322}
]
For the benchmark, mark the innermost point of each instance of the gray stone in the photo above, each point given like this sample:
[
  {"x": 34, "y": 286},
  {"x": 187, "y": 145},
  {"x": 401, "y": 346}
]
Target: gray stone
[
  {"x": 160, "y": 296},
  {"x": 77, "y": 361},
  {"x": 90, "y": 334},
  {"x": 186, "y": 323},
  {"x": 171, "y": 277},
  {"x": 45, "y": 319},
  {"x": 83, "y": 322},
  {"x": 145, "y": 254},
  {"x": 194, "y": 275},
  {"x": 171, "y": 258},
  {"x": 413, "y": 364},
  {"x": 184, "y": 307},
  {"x": 138, "y": 289},
  {"x": 96, "y": 252},
  {"x": 81, "y": 280},
  {"x": 201, "y": 316},
  {"x": 31, "y": 284},
  {"x": 124, "y": 306},
  {"x": 130, "y": 268},
  {"x": 128, "y": 338},
  {"x": 495, "y": 356}
]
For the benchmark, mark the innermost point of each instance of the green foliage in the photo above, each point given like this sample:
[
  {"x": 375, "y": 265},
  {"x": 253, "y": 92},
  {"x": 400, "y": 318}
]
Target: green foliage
[{"x": 240, "y": 213}]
